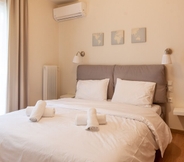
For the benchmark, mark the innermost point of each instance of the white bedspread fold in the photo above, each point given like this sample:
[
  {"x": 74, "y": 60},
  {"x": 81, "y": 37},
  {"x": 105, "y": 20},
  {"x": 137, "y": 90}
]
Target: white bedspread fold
[
  {"x": 132, "y": 134},
  {"x": 154, "y": 122}
]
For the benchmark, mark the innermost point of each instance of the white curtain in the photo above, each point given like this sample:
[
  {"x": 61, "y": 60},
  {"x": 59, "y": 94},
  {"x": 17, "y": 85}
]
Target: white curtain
[{"x": 3, "y": 55}]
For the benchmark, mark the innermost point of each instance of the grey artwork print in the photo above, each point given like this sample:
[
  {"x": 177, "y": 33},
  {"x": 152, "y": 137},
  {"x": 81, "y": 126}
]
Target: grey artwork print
[
  {"x": 98, "y": 39},
  {"x": 117, "y": 37},
  {"x": 138, "y": 35}
]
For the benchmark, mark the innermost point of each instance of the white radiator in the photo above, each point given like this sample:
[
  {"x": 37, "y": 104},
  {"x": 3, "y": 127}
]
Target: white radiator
[{"x": 49, "y": 82}]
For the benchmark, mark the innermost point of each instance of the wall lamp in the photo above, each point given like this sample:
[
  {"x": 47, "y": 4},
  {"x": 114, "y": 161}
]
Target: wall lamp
[
  {"x": 77, "y": 57},
  {"x": 166, "y": 59}
]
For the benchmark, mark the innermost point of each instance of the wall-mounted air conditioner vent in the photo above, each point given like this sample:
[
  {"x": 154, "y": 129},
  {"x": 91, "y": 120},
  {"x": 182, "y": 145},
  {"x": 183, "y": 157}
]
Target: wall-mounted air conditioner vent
[{"x": 69, "y": 12}]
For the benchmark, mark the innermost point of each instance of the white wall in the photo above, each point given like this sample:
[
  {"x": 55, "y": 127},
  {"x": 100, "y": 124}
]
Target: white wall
[
  {"x": 43, "y": 45},
  {"x": 164, "y": 24}
]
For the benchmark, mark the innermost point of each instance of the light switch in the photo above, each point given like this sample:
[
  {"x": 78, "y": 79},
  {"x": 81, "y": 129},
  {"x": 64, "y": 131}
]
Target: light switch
[{"x": 170, "y": 88}]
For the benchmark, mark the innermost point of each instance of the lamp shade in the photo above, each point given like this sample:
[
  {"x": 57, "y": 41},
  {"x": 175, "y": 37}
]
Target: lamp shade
[
  {"x": 166, "y": 59},
  {"x": 76, "y": 59}
]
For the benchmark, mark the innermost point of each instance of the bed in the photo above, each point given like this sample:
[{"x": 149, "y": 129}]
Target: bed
[{"x": 132, "y": 133}]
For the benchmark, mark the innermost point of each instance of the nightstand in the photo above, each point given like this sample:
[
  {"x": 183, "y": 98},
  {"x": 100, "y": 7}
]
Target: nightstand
[
  {"x": 178, "y": 111},
  {"x": 67, "y": 96}
]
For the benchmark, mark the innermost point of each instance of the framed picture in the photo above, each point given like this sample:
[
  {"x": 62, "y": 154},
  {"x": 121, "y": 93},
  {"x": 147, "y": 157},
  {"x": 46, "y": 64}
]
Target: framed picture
[
  {"x": 138, "y": 35},
  {"x": 117, "y": 37},
  {"x": 98, "y": 39}
]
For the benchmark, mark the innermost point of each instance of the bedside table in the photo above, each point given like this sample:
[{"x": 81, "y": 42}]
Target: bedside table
[
  {"x": 67, "y": 96},
  {"x": 178, "y": 111}
]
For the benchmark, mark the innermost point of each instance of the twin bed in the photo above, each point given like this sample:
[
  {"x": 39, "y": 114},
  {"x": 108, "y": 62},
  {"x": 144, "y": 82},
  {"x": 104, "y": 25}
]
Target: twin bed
[{"x": 135, "y": 128}]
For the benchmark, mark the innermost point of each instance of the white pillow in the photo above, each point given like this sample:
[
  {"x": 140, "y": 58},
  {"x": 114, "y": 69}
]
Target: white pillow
[
  {"x": 92, "y": 89},
  {"x": 134, "y": 92}
]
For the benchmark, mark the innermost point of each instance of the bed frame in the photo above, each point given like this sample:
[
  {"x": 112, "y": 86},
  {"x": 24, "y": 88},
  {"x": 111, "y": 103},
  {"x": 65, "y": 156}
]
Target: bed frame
[{"x": 152, "y": 73}]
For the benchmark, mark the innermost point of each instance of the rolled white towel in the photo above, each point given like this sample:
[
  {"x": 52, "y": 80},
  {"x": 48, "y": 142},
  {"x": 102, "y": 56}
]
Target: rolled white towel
[
  {"x": 81, "y": 119},
  {"x": 48, "y": 112},
  {"x": 38, "y": 111},
  {"x": 92, "y": 122}
]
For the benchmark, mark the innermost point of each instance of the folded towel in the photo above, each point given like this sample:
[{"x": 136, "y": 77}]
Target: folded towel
[
  {"x": 48, "y": 112},
  {"x": 92, "y": 122},
  {"x": 81, "y": 119},
  {"x": 38, "y": 111}
]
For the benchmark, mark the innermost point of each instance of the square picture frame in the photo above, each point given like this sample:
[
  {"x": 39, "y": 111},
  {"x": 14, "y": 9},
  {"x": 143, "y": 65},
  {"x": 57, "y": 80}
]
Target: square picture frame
[
  {"x": 97, "y": 39},
  {"x": 138, "y": 35},
  {"x": 117, "y": 37}
]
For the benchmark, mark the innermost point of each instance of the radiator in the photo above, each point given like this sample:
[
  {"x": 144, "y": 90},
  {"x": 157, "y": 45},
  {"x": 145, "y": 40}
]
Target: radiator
[{"x": 49, "y": 82}]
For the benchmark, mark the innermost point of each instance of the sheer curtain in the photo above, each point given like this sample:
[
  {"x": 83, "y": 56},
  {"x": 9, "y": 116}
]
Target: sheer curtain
[{"x": 3, "y": 55}]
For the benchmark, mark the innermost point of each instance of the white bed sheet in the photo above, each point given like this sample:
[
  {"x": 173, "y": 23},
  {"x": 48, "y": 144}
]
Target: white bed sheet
[
  {"x": 154, "y": 107},
  {"x": 157, "y": 109},
  {"x": 131, "y": 134}
]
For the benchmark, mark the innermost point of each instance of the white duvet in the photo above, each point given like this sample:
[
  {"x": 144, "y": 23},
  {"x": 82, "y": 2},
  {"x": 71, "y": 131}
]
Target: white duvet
[{"x": 132, "y": 134}]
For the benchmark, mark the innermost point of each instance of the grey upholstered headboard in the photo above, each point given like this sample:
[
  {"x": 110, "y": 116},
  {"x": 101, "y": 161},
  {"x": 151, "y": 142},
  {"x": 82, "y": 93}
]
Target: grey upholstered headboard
[{"x": 154, "y": 73}]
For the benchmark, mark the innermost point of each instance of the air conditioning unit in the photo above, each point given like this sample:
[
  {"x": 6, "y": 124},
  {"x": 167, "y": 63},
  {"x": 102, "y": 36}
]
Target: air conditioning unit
[{"x": 69, "y": 12}]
